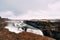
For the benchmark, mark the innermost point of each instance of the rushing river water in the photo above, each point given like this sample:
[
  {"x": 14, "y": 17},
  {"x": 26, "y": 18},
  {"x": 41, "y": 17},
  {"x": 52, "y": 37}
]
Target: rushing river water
[{"x": 14, "y": 25}]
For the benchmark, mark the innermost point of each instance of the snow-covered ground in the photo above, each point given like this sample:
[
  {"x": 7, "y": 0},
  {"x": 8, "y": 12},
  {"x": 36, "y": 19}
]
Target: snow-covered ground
[{"x": 14, "y": 28}]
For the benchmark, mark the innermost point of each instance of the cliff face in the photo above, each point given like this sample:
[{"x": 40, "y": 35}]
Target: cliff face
[
  {"x": 5, "y": 34},
  {"x": 2, "y": 22},
  {"x": 51, "y": 29},
  {"x": 44, "y": 24}
]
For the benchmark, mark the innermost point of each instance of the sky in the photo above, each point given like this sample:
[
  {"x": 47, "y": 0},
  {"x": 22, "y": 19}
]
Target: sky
[{"x": 30, "y": 9}]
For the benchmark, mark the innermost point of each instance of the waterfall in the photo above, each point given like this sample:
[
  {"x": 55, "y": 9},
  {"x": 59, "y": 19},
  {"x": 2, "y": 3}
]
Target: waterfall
[{"x": 14, "y": 25}]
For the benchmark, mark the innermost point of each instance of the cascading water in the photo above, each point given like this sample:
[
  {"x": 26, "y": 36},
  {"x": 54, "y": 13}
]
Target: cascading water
[
  {"x": 16, "y": 26},
  {"x": 12, "y": 27}
]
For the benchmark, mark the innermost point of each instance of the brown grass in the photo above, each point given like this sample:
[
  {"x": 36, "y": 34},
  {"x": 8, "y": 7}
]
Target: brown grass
[{"x": 5, "y": 34}]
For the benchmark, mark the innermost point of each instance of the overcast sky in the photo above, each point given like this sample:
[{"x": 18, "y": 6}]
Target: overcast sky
[{"x": 30, "y": 9}]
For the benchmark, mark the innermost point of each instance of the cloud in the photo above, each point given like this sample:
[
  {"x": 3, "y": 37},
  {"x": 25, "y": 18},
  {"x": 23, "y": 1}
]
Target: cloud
[
  {"x": 22, "y": 6},
  {"x": 29, "y": 15},
  {"x": 28, "y": 9},
  {"x": 7, "y": 14},
  {"x": 41, "y": 14},
  {"x": 54, "y": 9}
]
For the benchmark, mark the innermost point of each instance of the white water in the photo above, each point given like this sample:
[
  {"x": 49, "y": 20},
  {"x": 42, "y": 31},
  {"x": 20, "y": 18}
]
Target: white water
[
  {"x": 35, "y": 31},
  {"x": 14, "y": 28}
]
